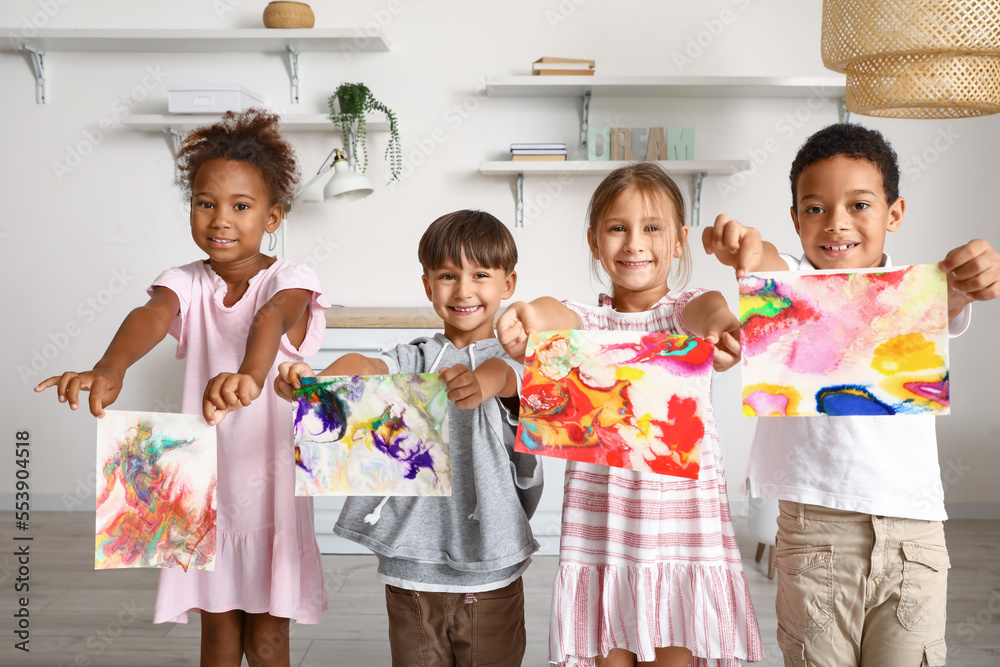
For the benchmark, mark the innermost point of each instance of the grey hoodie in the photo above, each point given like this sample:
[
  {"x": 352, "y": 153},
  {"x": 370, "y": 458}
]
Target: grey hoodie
[{"x": 480, "y": 534}]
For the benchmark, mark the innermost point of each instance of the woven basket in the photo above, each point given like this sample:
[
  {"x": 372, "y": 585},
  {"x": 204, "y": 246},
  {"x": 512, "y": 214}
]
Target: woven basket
[
  {"x": 915, "y": 58},
  {"x": 288, "y": 15}
]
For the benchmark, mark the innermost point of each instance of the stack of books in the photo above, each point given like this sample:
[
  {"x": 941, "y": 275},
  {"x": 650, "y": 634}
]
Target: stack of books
[
  {"x": 563, "y": 67},
  {"x": 538, "y": 152}
]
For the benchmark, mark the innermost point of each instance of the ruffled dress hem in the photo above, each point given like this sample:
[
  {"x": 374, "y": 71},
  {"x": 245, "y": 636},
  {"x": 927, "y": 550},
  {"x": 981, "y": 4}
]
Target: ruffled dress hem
[
  {"x": 284, "y": 595},
  {"x": 704, "y": 608}
]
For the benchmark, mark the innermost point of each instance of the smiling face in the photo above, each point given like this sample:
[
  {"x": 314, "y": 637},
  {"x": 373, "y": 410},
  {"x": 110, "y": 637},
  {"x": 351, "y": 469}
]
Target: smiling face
[
  {"x": 467, "y": 296},
  {"x": 635, "y": 243},
  {"x": 841, "y": 215},
  {"x": 230, "y": 212}
]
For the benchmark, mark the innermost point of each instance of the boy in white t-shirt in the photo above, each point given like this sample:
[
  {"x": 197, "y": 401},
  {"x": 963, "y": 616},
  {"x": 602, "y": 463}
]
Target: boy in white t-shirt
[{"x": 861, "y": 558}]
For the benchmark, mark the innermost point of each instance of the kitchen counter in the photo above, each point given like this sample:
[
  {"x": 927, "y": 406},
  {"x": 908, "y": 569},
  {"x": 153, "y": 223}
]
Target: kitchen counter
[{"x": 340, "y": 317}]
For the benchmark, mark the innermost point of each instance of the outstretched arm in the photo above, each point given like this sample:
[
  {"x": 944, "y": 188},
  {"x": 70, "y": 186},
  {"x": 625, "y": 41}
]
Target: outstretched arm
[
  {"x": 290, "y": 373},
  {"x": 708, "y": 316},
  {"x": 973, "y": 275},
  {"x": 494, "y": 377},
  {"x": 231, "y": 391},
  {"x": 142, "y": 329},
  {"x": 522, "y": 318},
  {"x": 741, "y": 247}
]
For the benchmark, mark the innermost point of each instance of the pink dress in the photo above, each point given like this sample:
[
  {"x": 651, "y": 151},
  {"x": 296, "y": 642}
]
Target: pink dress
[
  {"x": 649, "y": 560},
  {"x": 267, "y": 559}
]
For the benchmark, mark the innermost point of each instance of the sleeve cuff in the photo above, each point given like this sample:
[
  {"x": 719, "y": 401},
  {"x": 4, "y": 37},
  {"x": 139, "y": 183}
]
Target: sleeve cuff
[{"x": 958, "y": 325}]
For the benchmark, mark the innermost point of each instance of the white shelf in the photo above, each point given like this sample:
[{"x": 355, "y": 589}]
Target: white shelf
[
  {"x": 602, "y": 168},
  {"x": 256, "y": 40},
  {"x": 585, "y": 87},
  {"x": 665, "y": 86},
  {"x": 195, "y": 41},
  {"x": 289, "y": 122}
]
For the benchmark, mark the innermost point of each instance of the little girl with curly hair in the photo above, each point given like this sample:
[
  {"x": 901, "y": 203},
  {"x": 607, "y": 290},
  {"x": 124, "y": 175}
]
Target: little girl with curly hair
[{"x": 236, "y": 315}]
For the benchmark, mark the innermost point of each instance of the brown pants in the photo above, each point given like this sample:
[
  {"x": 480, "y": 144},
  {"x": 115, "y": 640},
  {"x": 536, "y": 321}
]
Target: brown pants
[
  {"x": 857, "y": 589},
  {"x": 460, "y": 629}
]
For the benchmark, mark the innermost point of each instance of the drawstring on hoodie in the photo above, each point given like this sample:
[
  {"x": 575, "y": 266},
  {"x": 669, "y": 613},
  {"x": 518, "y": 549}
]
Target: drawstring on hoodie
[{"x": 376, "y": 514}]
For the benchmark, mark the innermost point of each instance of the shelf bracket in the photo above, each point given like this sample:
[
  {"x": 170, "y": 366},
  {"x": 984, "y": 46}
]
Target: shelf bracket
[
  {"x": 351, "y": 142},
  {"x": 696, "y": 204},
  {"x": 585, "y": 121},
  {"x": 519, "y": 212},
  {"x": 293, "y": 66},
  {"x": 843, "y": 115},
  {"x": 175, "y": 138},
  {"x": 38, "y": 64}
]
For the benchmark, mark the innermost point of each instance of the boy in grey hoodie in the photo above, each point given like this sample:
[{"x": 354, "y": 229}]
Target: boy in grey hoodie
[{"x": 452, "y": 565}]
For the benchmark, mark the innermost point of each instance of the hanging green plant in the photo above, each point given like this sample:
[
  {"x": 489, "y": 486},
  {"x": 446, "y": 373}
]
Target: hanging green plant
[{"x": 348, "y": 106}]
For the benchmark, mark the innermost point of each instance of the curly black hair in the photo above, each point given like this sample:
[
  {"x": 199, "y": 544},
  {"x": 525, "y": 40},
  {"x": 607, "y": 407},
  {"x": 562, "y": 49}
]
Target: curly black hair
[
  {"x": 250, "y": 136},
  {"x": 854, "y": 141}
]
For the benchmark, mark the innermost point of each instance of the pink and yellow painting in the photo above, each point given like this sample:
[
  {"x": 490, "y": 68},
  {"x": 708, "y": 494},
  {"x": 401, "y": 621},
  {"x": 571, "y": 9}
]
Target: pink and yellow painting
[
  {"x": 629, "y": 399},
  {"x": 384, "y": 435},
  {"x": 866, "y": 342},
  {"x": 156, "y": 482}
]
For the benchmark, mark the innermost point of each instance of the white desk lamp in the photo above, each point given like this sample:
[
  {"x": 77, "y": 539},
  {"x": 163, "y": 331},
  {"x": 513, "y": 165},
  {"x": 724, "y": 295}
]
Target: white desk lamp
[{"x": 346, "y": 185}]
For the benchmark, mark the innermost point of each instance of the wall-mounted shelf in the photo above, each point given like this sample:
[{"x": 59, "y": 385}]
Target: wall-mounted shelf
[
  {"x": 604, "y": 167},
  {"x": 176, "y": 125},
  {"x": 698, "y": 169},
  {"x": 290, "y": 42},
  {"x": 665, "y": 86},
  {"x": 585, "y": 87}
]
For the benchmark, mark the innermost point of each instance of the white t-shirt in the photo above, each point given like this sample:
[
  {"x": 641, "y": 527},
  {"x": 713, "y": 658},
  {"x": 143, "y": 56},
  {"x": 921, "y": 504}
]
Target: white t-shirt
[{"x": 875, "y": 465}]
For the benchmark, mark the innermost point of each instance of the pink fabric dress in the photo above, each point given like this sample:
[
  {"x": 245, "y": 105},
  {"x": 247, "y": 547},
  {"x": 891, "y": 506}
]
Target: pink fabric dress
[
  {"x": 267, "y": 559},
  {"x": 649, "y": 560}
]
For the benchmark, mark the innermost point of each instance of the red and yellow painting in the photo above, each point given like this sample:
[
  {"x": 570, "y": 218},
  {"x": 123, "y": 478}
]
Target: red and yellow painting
[{"x": 636, "y": 400}]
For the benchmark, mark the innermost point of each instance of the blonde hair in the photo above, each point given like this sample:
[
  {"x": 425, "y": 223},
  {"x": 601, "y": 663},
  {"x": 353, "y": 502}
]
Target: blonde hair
[{"x": 653, "y": 182}]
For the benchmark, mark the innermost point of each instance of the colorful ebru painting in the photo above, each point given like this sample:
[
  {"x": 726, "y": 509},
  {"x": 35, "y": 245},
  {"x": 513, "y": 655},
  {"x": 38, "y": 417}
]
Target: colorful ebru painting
[
  {"x": 383, "y": 435},
  {"x": 628, "y": 399},
  {"x": 872, "y": 342},
  {"x": 156, "y": 482}
]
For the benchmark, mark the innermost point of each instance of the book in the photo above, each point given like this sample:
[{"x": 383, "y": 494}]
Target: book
[
  {"x": 550, "y": 66},
  {"x": 558, "y": 147},
  {"x": 538, "y": 158},
  {"x": 544, "y": 151},
  {"x": 566, "y": 63},
  {"x": 564, "y": 72}
]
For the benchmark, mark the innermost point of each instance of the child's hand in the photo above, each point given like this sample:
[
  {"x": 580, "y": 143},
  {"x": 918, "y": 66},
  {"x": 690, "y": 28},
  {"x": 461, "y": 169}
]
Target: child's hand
[
  {"x": 289, "y": 378},
  {"x": 227, "y": 392},
  {"x": 973, "y": 275},
  {"x": 513, "y": 328},
  {"x": 463, "y": 386},
  {"x": 723, "y": 331},
  {"x": 734, "y": 245},
  {"x": 103, "y": 385}
]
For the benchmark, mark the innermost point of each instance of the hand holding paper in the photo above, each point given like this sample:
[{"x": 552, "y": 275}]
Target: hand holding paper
[{"x": 973, "y": 275}]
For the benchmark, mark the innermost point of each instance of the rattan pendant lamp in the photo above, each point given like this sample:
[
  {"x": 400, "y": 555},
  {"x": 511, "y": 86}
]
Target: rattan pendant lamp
[{"x": 915, "y": 58}]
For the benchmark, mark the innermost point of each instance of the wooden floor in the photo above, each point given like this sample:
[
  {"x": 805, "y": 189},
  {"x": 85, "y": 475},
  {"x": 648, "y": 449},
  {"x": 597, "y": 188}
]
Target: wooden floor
[{"x": 81, "y": 617}]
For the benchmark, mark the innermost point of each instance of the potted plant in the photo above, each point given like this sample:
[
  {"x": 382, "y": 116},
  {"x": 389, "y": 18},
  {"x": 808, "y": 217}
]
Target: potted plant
[{"x": 354, "y": 101}]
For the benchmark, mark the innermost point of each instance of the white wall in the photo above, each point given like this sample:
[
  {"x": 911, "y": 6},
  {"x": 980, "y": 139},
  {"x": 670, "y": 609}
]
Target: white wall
[{"x": 66, "y": 238}]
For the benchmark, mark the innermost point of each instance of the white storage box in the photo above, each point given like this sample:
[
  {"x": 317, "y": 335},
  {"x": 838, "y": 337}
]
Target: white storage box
[{"x": 210, "y": 98}]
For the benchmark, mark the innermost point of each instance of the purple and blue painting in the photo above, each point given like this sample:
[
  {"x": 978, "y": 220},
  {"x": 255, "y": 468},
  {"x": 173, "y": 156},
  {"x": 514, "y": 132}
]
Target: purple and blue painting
[{"x": 384, "y": 435}]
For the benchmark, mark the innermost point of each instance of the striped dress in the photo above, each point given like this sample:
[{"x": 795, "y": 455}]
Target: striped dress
[{"x": 648, "y": 560}]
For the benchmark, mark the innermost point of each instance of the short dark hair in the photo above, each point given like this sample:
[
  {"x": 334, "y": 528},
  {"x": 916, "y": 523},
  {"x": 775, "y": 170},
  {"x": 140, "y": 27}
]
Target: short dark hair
[
  {"x": 473, "y": 234},
  {"x": 853, "y": 141}
]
